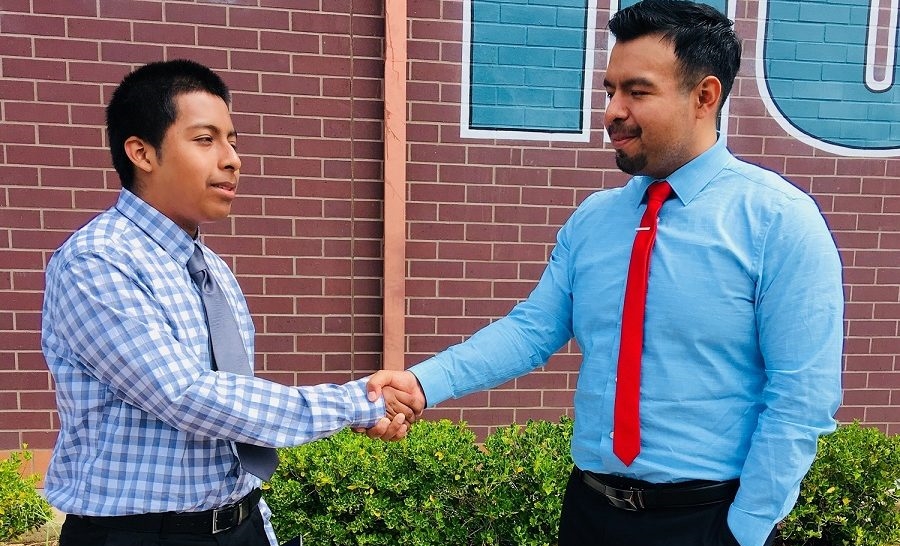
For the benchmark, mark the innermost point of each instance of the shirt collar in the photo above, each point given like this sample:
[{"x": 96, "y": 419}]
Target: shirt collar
[
  {"x": 692, "y": 177},
  {"x": 163, "y": 231}
]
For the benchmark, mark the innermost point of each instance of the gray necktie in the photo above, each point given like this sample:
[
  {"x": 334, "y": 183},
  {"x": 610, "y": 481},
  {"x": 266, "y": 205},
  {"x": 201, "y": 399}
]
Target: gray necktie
[{"x": 229, "y": 355}]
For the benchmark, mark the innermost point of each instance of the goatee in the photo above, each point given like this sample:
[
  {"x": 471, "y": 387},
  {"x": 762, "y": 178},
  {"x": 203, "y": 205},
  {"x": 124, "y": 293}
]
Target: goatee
[{"x": 631, "y": 165}]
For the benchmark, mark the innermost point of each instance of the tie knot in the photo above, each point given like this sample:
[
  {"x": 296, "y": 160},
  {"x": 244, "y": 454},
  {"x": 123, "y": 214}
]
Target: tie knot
[
  {"x": 196, "y": 263},
  {"x": 659, "y": 191}
]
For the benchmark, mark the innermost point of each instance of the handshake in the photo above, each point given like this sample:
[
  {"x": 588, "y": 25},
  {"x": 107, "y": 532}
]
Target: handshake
[{"x": 404, "y": 402}]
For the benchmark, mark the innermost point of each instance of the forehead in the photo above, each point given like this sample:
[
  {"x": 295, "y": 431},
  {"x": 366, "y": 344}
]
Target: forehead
[
  {"x": 202, "y": 108},
  {"x": 650, "y": 57}
]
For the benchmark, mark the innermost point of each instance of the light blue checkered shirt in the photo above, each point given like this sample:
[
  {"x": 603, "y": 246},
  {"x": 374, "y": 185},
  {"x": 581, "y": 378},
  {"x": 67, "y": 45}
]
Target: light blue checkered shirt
[{"x": 145, "y": 424}]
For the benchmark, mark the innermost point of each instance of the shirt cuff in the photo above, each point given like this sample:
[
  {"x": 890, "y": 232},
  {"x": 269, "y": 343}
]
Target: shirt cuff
[
  {"x": 433, "y": 381},
  {"x": 749, "y": 530},
  {"x": 362, "y": 412}
]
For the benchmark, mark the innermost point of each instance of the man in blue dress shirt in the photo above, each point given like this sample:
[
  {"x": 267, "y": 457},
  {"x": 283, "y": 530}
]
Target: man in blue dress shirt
[
  {"x": 146, "y": 448},
  {"x": 741, "y": 365}
]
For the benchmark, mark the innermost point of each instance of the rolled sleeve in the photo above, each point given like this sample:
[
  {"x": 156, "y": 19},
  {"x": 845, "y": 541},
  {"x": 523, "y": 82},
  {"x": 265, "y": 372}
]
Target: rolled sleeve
[{"x": 363, "y": 412}]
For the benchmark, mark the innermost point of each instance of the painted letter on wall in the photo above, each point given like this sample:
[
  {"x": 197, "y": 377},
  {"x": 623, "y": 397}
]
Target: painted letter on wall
[{"x": 826, "y": 70}]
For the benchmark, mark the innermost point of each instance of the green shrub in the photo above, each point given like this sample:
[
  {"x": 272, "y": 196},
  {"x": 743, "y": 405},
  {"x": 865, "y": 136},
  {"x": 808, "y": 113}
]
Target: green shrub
[
  {"x": 21, "y": 507},
  {"x": 526, "y": 474},
  {"x": 851, "y": 493},
  {"x": 438, "y": 487},
  {"x": 350, "y": 490}
]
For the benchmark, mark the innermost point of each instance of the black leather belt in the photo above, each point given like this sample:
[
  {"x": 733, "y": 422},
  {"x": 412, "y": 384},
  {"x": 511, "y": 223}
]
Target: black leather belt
[
  {"x": 208, "y": 522},
  {"x": 624, "y": 494}
]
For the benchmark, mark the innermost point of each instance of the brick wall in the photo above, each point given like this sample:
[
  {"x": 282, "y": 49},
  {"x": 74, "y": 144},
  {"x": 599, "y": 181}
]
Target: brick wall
[{"x": 305, "y": 239}]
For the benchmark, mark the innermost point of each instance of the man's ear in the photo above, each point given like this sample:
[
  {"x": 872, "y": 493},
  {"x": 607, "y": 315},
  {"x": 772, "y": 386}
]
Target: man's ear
[
  {"x": 141, "y": 154},
  {"x": 708, "y": 92}
]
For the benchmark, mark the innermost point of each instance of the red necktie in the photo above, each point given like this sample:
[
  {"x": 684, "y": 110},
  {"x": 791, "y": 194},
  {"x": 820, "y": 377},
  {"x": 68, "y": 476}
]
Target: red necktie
[{"x": 627, "y": 425}]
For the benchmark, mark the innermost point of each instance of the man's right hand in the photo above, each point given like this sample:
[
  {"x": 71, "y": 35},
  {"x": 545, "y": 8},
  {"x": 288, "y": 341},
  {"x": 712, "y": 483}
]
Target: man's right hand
[{"x": 402, "y": 393}]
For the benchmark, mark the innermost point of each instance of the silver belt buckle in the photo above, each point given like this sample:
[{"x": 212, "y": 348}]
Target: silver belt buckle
[
  {"x": 627, "y": 500},
  {"x": 241, "y": 514}
]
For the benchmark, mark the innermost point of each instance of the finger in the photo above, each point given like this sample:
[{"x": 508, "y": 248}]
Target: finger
[
  {"x": 376, "y": 382},
  {"x": 402, "y": 433},
  {"x": 378, "y": 429},
  {"x": 396, "y": 428},
  {"x": 393, "y": 401}
]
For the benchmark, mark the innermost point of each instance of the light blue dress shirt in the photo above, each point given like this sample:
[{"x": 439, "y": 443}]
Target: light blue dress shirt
[
  {"x": 145, "y": 424},
  {"x": 743, "y": 334}
]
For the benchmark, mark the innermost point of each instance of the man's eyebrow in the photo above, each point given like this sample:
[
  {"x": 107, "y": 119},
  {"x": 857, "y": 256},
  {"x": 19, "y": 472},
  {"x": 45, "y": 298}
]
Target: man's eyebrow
[
  {"x": 631, "y": 82},
  {"x": 214, "y": 129}
]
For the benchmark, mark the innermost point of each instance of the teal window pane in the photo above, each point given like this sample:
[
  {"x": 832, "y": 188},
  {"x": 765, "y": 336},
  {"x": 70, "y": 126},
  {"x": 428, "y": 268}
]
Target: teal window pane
[{"x": 527, "y": 65}]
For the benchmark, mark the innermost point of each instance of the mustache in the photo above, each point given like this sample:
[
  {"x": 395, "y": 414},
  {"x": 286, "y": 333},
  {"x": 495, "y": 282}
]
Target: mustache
[{"x": 618, "y": 130}]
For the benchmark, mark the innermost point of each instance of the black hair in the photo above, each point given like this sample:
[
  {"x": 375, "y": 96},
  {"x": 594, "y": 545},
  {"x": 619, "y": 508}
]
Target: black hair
[
  {"x": 143, "y": 105},
  {"x": 704, "y": 38}
]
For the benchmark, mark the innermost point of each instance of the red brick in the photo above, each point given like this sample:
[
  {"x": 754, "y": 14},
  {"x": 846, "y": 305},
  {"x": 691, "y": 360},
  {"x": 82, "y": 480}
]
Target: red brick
[
  {"x": 487, "y": 416},
  {"x": 20, "y": 134},
  {"x": 32, "y": 25},
  {"x": 435, "y": 307},
  {"x": 99, "y": 29},
  {"x": 16, "y": 47},
  {"x": 886, "y": 345},
  {"x": 876, "y": 257},
  {"x": 558, "y": 398},
  {"x": 522, "y": 176},
  {"x": 174, "y": 33},
  {"x": 76, "y": 179},
  {"x": 435, "y": 231},
  {"x": 25, "y": 381},
  {"x": 515, "y": 398},
  {"x": 320, "y": 23},
  {"x": 36, "y": 112},
  {"x": 68, "y": 92},
  {"x": 264, "y": 226},
  {"x": 429, "y": 153},
  {"x": 41, "y": 400},
  {"x": 38, "y": 239},
  {"x": 88, "y": 115},
  {"x": 548, "y": 196},
  {"x": 882, "y": 414},
  {"x": 882, "y": 186},
  {"x": 23, "y": 259},
  {"x": 259, "y": 18},
  {"x": 542, "y": 380},
  {"x": 41, "y": 439},
  {"x": 869, "y": 363},
  {"x": 129, "y": 52},
  {"x": 71, "y": 7},
  {"x": 73, "y": 136},
  {"x": 488, "y": 308},
  {"x": 215, "y": 58},
  {"x": 887, "y": 310},
  {"x": 66, "y": 49},
  {"x": 202, "y": 14}
]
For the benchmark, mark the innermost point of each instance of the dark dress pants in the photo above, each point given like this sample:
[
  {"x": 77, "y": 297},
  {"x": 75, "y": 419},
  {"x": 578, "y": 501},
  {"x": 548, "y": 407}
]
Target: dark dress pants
[
  {"x": 78, "y": 531},
  {"x": 589, "y": 519}
]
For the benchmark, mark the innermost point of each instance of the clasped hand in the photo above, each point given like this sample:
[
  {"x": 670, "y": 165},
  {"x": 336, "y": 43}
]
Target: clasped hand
[{"x": 404, "y": 402}]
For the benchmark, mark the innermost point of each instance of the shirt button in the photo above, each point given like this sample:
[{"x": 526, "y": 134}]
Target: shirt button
[{"x": 611, "y": 434}]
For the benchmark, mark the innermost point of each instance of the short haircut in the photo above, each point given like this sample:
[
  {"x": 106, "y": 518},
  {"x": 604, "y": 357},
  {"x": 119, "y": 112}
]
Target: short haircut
[
  {"x": 143, "y": 105},
  {"x": 704, "y": 39}
]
